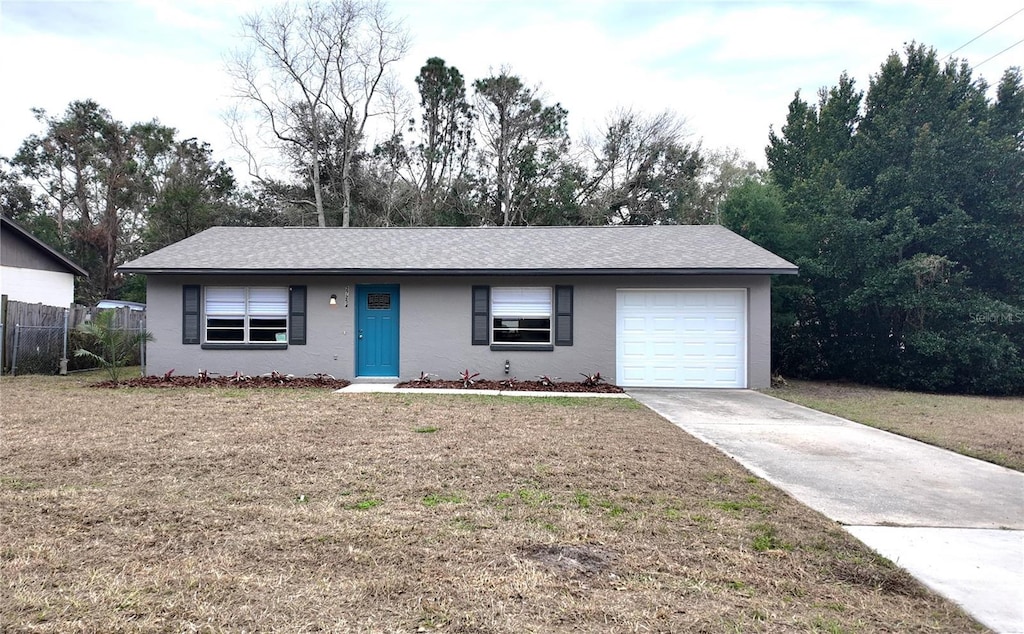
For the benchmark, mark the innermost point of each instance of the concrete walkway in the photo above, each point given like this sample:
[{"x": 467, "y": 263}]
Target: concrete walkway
[
  {"x": 376, "y": 388},
  {"x": 954, "y": 522}
]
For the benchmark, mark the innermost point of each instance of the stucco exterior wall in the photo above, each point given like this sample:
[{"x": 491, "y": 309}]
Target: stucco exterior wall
[
  {"x": 34, "y": 286},
  {"x": 435, "y": 327}
]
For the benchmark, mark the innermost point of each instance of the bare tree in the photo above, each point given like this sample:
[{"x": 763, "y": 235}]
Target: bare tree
[
  {"x": 309, "y": 68},
  {"x": 642, "y": 169}
]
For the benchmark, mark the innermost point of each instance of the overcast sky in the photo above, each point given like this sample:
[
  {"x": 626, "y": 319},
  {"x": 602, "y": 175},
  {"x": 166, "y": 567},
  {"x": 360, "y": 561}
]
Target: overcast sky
[{"x": 730, "y": 68}]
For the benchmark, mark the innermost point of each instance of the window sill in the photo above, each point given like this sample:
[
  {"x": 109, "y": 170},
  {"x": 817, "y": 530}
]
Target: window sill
[
  {"x": 244, "y": 346},
  {"x": 525, "y": 347}
]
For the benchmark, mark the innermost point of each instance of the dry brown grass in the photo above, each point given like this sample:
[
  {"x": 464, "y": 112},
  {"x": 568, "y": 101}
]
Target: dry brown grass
[
  {"x": 280, "y": 510},
  {"x": 983, "y": 427}
]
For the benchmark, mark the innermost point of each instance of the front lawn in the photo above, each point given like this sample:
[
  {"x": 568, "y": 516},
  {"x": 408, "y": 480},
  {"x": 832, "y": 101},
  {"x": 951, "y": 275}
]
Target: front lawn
[
  {"x": 987, "y": 428},
  {"x": 209, "y": 510}
]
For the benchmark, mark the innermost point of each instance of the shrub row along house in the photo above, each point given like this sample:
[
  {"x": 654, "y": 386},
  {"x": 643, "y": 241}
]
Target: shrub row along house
[{"x": 680, "y": 306}]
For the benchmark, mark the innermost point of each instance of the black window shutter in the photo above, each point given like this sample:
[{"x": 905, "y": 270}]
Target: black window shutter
[
  {"x": 190, "y": 313},
  {"x": 481, "y": 315},
  {"x": 563, "y": 315},
  {"x": 297, "y": 315}
]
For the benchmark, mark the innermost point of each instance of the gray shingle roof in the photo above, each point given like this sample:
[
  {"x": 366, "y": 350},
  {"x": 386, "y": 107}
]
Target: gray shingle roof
[{"x": 464, "y": 250}]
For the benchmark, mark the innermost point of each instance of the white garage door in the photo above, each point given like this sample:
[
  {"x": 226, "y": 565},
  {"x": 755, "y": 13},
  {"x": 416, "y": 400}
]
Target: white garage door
[{"x": 677, "y": 338}]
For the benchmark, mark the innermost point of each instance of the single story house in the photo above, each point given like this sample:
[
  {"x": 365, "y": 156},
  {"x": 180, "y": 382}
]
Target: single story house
[
  {"x": 643, "y": 305},
  {"x": 32, "y": 271}
]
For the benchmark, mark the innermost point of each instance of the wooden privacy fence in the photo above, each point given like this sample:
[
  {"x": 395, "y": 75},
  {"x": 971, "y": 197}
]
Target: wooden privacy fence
[{"x": 39, "y": 334}]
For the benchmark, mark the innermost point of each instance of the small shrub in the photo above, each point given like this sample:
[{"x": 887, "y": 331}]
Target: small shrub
[
  {"x": 424, "y": 377},
  {"x": 279, "y": 377},
  {"x": 238, "y": 377},
  {"x": 467, "y": 378},
  {"x": 592, "y": 380},
  {"x": 547, "y": 381}
]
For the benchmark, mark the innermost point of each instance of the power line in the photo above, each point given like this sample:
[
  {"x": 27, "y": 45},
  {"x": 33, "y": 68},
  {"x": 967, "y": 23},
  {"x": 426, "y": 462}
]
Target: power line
[
  {"x": 1017, "y": 43},
  {"x": 1003, "y": 21}
]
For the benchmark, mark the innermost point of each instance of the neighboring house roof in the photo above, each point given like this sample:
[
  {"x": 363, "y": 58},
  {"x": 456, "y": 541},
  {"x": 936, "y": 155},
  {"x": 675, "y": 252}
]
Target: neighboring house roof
[
  {"x": 465, "y": 250},
  {"x": 6, "y": 224},
  {"x": 120, "y": 303}
]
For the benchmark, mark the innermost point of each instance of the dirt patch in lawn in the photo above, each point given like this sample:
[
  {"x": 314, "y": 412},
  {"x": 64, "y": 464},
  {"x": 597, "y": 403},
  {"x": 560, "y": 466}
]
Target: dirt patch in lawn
[
  {"x": 988, "y": 428},
  {"x": 274, "y": 509}
]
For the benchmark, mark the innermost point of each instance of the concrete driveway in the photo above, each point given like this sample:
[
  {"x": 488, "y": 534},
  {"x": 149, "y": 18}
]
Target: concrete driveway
[{"x": 954, "y": 522}]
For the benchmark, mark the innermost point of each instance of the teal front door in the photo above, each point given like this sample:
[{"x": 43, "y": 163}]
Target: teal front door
[{"x": 377, "y": 330}]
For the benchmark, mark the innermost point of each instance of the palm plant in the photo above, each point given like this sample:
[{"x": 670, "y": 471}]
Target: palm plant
[{"x": 115, "y": 345}]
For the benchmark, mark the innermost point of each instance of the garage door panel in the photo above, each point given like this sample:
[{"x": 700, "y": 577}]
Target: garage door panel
[
  {"x": 691, "y": 300},
  {"x": 636, "y": 349},
  {"x": 736, "y": 301},
  {"x": 663, "y": 325},
  {"x": 724, "y": 324},
  {"x": 634, "y": 324},
  {"x": 681, "y": 338},
  {"x": 694, "y": 324},
  {"x": 663, "y": 349},
  {"x": 634, "y": 300},
  {"x": 724, "y": 377},
  {"x": 633, "y": 375},
  {"x": 694, "y": 350}
]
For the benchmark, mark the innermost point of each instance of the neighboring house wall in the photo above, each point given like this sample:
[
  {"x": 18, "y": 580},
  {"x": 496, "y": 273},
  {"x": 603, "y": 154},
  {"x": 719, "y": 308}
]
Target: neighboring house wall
[
  {"x": 30, "y": 275},
  {"x": 435, "y": 320},
  {"x": 34, "y": 286}
]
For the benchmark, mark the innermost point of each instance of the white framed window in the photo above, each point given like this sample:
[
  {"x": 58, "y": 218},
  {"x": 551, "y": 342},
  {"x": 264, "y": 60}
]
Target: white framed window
[
  {"x": 520, "y": 315},
  {"x": 235, "y": 314}
]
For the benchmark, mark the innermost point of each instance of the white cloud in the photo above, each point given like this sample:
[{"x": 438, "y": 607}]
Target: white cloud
[{"x": 730, "y": 68}]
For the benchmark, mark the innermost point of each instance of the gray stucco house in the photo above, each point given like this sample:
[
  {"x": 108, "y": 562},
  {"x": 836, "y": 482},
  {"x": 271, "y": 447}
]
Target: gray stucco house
[{"x": 645, "y": 306}]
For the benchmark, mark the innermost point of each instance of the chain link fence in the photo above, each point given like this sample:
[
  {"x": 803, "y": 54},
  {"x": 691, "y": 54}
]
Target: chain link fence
[
  {"x": 51, "y": 349},
  {"x": 37, "y": 350},
  {"x": 44, "y": 350}
]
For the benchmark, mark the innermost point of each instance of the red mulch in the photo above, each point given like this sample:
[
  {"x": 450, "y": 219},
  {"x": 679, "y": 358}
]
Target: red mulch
[
  {"x": 326, "y": 382},
  {"x": 518, "y": 386},
  {"x": 229, "y": 381}
]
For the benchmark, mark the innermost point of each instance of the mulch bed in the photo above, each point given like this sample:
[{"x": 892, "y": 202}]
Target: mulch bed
[
  {"x": 329, "y": 383},
  {"x": 324, "y": 382},
  {"x": 518, "y": 386}
]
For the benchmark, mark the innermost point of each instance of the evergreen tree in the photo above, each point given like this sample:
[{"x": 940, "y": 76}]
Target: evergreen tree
[{"x": 908, "y": 202}]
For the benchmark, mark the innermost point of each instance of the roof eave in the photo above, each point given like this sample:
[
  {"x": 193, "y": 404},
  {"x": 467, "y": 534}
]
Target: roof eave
[{"x": 421, "y": 272}]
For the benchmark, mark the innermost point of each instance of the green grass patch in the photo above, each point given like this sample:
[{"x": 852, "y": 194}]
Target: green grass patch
[
  {"x": 752, "y": 502},
  {"x": 766, "y": 538},
  {"x": 614, "y": 510},
  {"x": 17, "y": 484},
  {"x": 436, "y": 499},
  {"x": 463, "y": 523},
  {"x": 364, "y": 505},
  {"x": 429, "y": 429},
  {"x": 581, "y": 499},
  {"x": 533, "y": 497}
]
